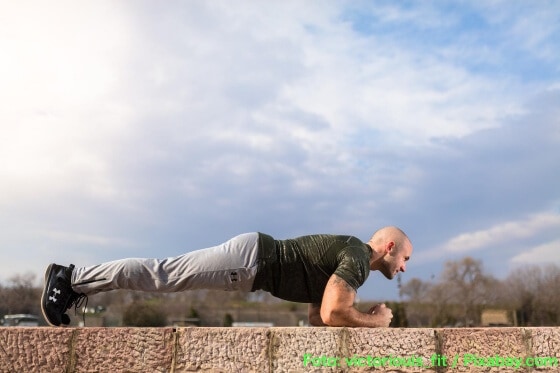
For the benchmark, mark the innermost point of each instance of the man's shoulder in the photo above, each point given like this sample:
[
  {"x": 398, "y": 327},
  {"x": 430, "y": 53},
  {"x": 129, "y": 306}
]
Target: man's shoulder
[
  {"x": 344, "y": 238},
  {"x": 348, "y": 242},
  {"x": 352, "y": 240}
]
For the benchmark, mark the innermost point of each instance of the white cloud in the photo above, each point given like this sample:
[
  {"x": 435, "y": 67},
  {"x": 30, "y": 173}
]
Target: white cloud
[
  {"x": 503, "y": 233},
  {"x": 79, "y": 88},
  {"x": 58, "y": 57},
  {"x": 59, "y": 74},
  {"x": 187, "y": 121},
  {"x": 546, "y": 253}
]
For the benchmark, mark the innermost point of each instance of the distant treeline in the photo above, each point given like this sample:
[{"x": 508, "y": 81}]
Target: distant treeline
[{"x": 531, "y": 295}]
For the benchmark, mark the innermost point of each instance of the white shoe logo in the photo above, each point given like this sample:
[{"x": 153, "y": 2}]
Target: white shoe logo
[{"x": 53, "y": 297}]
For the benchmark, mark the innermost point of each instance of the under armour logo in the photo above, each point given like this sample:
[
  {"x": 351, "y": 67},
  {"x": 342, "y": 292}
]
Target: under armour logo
[
  {"x": 55, "y": 292},
  {"x": 233, "y": 276}
]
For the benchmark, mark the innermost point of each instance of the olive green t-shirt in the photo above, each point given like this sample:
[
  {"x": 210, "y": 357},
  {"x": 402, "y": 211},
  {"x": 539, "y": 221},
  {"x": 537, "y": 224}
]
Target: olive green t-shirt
[{"x": 298, "y": 269}]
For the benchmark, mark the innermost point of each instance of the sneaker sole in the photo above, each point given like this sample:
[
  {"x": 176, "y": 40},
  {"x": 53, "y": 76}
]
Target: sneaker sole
[{"x": 43, "y": 295}]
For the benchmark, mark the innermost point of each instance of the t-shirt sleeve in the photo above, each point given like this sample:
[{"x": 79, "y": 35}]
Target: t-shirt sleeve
[{"x": 353, "y": 266}]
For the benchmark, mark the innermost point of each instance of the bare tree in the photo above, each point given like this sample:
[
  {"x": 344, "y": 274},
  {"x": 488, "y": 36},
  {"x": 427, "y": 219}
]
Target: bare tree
[
  {"x": 418, "y": 310},
  {"x": 535, "y": 292},
  {"x": 441, "y": 299},
  {"x": 21, "y": 295},
  {"x": 548, "y": 297},
  {"x": 470, "y": 287},
  {"x": 457, "y": 298}
]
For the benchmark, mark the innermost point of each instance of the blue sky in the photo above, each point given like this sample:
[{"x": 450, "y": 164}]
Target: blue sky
[{"x": 148, "y": 129}]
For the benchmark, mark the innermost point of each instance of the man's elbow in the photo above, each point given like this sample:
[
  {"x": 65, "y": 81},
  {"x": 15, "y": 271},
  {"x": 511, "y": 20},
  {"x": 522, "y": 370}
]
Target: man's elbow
[
  {"x": 316, "y": 321},
  {"x": 333, "y": 317}
]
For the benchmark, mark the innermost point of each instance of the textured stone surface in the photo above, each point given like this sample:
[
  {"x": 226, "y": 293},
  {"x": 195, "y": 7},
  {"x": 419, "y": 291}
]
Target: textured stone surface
[
  {"x": 408, "y": 349},
  {"x": 222, "y": 349},
  {"x": 123, "y": 349},
  {"x": 319, "y": 346},
  {"x": 545, "y": 343},
  {"x": 269, "y": 349},
  {"x": 467, "y": 346},
  {"x": 35, "y": 349}
]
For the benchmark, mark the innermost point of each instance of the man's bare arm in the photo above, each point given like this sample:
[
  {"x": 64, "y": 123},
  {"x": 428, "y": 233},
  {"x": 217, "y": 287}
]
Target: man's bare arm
[{"x": 337, "y": 307}]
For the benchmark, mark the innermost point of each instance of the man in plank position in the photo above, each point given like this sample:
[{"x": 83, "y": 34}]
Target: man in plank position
[{"x": 322, "y": 270}]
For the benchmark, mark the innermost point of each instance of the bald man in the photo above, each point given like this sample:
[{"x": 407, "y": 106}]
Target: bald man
[{"x": 322, "y": 270}]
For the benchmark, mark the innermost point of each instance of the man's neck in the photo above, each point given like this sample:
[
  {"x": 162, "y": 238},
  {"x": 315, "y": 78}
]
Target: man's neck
[{"x": 375, "y": 258}]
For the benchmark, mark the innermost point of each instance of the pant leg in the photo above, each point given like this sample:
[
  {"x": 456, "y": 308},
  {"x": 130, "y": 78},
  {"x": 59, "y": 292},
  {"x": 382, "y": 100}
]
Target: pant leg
[{"x": 229, "y": 266}]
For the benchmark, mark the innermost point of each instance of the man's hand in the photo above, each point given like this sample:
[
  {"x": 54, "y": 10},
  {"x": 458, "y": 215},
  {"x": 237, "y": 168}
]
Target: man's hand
[{"x": 384, "y": 312}]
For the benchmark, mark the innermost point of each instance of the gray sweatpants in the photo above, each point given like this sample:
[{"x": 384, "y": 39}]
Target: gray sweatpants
[{"x": 229, "y": 266}]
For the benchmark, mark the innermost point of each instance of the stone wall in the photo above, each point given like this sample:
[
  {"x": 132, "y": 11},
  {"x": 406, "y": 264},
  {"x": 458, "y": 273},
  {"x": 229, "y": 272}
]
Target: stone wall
[{"x": 277, "y": 349}]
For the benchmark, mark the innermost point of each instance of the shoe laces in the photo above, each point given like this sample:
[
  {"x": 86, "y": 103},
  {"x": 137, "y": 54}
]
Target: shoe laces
[{"x": 80, "y": 301}]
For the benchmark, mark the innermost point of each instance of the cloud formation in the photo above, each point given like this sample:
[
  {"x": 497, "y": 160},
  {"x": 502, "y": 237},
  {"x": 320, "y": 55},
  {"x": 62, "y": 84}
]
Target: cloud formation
[
  {"x": 139, "y": 129},
  {"x": 542, "y": 254},
  {"x": 504, "y": 233}
]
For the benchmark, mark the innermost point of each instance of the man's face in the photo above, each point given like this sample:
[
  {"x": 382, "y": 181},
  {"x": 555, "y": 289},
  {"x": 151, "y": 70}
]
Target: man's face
[{"x": 395, "y": 260}]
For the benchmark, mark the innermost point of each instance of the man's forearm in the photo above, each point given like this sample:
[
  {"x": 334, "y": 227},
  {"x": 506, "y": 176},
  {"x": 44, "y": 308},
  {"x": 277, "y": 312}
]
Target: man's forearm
[
  {"x": 337, "y": 307},
  {"x": 351, "y": 317}
]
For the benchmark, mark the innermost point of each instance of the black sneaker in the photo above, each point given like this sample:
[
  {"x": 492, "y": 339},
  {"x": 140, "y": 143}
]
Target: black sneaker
[{"x": 58, "y": 295}]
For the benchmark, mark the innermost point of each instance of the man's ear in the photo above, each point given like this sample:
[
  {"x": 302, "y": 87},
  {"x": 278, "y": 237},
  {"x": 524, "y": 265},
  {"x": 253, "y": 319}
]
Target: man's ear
[{"x": 389, "y": 247}]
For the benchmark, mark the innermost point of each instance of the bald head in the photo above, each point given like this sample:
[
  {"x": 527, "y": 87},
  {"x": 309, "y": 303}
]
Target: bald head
[
  {"x": 390, "y": 234},
  {"x": 391, "y": 250}
]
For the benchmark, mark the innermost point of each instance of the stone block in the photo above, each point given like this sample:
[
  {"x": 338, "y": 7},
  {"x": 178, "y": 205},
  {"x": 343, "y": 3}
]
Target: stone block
[
  {"x": 545, "y": 348},
  {"x": 35, "y": 349},
  {"x": 470, "y": 349},
  {"x": 222, "y": 350},
  {"x": 123, "y": 350},
  {"x": 306, "y": 349},
  {"x": 387, "y": 349}
]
